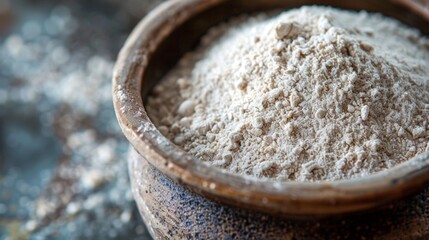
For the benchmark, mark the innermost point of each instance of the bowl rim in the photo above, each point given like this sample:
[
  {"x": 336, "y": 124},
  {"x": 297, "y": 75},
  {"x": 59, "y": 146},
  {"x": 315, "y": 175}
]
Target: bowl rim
[{"x": 271, "y": 196}]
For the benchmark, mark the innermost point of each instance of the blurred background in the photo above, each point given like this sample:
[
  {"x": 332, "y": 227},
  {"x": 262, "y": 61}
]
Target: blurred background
[{"x": 63, "y": 173}]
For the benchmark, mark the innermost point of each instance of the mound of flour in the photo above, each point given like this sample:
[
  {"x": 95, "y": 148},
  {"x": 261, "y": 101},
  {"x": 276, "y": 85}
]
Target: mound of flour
[{"x": 313, "y": 94}]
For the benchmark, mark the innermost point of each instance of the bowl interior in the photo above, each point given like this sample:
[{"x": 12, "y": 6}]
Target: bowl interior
[{"x": 175, "y": 28}]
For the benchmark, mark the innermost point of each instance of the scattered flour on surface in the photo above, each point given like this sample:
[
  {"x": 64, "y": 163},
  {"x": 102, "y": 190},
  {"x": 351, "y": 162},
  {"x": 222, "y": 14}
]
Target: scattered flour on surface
[{"x": 313, "y": 94}]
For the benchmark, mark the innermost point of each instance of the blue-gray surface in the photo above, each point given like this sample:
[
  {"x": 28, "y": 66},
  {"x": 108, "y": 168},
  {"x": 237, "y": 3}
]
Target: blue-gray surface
[{"x": 62, "y": 168}]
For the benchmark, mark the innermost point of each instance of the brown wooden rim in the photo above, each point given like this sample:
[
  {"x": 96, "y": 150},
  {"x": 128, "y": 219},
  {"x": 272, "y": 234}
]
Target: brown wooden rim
[{"x": 286, "y": 198}]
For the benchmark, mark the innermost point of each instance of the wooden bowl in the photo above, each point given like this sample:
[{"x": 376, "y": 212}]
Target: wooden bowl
[{"x": 174, "y": 28}]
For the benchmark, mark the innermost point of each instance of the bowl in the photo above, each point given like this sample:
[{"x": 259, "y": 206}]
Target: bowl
[{"x": 173, "y": 29}]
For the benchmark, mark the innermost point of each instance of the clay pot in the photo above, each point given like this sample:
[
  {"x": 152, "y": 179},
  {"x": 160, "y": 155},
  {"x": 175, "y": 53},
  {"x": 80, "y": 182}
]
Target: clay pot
[
  {"x": 420, "y": 7},
  {"x": 175, "y": 28}
]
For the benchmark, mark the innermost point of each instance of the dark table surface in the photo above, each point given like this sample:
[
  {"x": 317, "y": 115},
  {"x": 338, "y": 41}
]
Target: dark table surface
[{"x": 63, "y": 173}]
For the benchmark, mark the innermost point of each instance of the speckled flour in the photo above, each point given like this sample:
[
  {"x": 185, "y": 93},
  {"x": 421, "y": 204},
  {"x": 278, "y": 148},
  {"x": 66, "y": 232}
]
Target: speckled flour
[{"x": 313, "y": 94}]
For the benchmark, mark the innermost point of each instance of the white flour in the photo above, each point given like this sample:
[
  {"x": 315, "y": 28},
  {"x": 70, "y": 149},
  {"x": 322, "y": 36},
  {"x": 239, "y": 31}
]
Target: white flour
[{"x": 313, "y": 94}]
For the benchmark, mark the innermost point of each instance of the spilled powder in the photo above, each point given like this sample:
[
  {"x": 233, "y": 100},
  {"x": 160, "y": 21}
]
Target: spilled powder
[{"x": 313, "y": 94}]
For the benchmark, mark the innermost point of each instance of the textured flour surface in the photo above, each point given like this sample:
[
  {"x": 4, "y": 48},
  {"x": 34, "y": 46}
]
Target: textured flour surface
[{"x": 313, "y": 94}]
